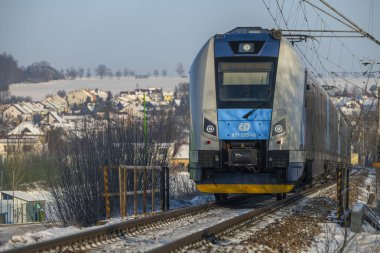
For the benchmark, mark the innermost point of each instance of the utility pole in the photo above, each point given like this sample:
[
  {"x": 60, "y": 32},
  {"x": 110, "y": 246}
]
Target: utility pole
[{"x": 378, "y": 153}]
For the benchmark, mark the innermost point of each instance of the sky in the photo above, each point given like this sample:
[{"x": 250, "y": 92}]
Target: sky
[{"x": 144, "y": 35}]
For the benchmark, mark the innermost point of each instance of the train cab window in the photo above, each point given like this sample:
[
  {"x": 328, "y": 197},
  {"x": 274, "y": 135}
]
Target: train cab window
[{"x": 245, "y": 81}]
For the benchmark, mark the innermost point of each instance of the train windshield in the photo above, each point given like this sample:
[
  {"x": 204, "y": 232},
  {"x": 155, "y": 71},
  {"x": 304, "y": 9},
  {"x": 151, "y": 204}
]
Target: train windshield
[{"x": 245, "y": 81}]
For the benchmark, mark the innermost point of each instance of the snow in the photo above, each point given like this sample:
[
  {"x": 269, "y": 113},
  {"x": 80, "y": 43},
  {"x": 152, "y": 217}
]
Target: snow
[
  {"x": 38, "y": 91},
  {"x": 186, "y": 195},
  {"x": 333, "y": 236}
]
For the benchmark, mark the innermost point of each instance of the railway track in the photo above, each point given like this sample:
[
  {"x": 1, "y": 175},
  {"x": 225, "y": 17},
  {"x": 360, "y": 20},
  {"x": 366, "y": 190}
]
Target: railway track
[
  {"x": 208, "y": 235},
  {"x": 105, "y": 235},
  {"x": 131, "y": 236}
]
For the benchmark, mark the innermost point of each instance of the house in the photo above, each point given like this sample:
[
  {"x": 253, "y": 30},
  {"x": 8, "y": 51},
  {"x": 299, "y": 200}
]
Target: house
[
  {"x": 99, "y": 94},
  {"x": 2, "y": 109},
  {"x": 133, "y": 109},
  {"x": 57, "y": 101},
  {"x": 155, "y": 94},
  {"x": 79, "y": 97},
  {"x": 16, "y": 111},
  {"x": 168, "y": 96},
  {"x": 26, "y": 137},
  {"x": 21, "y": 207},
  {"x": 26, "y": 129},
  {"x": 53, "y": 118},
  {"x": 181, "y": 157}
]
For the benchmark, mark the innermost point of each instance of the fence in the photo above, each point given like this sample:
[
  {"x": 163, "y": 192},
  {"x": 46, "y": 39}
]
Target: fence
[{"x": 136, "y": 182}]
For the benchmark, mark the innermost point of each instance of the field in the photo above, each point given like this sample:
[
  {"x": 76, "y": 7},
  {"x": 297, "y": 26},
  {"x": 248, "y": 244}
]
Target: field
[{"x": 38, "y": 91}]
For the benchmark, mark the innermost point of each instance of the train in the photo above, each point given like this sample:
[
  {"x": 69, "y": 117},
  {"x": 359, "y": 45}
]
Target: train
[{"x": 260, "y": 123}]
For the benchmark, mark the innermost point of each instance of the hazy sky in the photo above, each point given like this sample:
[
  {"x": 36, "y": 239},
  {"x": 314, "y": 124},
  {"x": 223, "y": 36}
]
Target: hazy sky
[{"x": 140, "y": 34}]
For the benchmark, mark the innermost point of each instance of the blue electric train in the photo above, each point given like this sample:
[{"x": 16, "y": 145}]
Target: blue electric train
[{"x": 259, "y": 122}]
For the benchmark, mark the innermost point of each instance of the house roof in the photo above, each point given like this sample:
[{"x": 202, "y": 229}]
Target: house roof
[
  {"x": 21, "y": 195},
  {"x": 21, "y": 109},
  {"x": 31, "y": 106},
  {"x": 26, "y": 128},
  {"x": 56, "y": 116}
]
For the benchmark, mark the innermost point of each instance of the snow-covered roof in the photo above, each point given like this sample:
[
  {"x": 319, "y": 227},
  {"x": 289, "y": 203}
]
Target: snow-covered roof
[
  {"x": 26, "y": 128},
  {"x": 31, "y": 106},
  {"x": 21, "y": 195},
  {"x": 56, "y": 116},
  {"x": 21, "y": 109}
]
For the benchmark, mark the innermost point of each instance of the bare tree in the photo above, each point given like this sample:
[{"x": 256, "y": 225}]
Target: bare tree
[
  {"x": 80, "y": 72},
  {"x": 61, "y": 93},
  {"x": 125, "y": 72},
  {"x": 101, "y": 70},
  {"x": 164, "y": 72},
  {"x": 118, "y": 74},
  {"x": 156, "y": 73},
  {"x": 88, "y": 74},
  {"x": 109, "y": 73},
  {"x": 72, "y": 73},
  {"x": 75, "y": 182},
  {"x": 179, "y": 69}
]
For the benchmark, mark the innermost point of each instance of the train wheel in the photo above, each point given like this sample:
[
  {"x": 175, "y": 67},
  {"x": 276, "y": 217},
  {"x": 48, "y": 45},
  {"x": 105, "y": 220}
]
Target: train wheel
[
  {"x": 220, "y": 197},
  {"x": 280, "y": 196}
]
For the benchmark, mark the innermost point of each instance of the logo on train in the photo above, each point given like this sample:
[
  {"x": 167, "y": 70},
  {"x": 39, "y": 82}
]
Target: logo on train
[
  {"x": 210, "y": 129},
  {"x": 244, "y": 127}
]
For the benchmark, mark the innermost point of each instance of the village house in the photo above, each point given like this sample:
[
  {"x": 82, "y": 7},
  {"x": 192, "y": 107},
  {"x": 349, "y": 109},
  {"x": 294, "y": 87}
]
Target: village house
[
  {"x": 155, "y": 94},
  {"x": 168, "y": 96},
  {"x": 57, "y": 100},
  {"x": 79, "y": 97},
  {"x": 16, "y": 111},
  {"x": 53, "y": 118},
  {"x": 99, "y": 94},
  {"x": 26, "y": 137},
  {"x": 181, "y": 157}
]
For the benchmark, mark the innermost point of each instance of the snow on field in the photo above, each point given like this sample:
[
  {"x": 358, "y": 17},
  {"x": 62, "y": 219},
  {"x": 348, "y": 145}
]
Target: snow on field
[{"x": 38, "y": 91}]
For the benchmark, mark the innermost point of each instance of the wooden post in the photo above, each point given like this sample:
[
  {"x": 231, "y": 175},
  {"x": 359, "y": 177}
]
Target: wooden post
[
  {"x": 106, "y": 192},
  {"x": 144, "y": 191},
  {"x": 347, "y": 188},
  {"x": 339, "y": 191},
  {"x": 125, "y": 172},
  {"x": 121, "y": 193},
  {"x": 162, "y": 189},
  {"x": 135, "y": 191},
  {"x": 153, "y": 192},
  {"x": 167, "y": 188}
]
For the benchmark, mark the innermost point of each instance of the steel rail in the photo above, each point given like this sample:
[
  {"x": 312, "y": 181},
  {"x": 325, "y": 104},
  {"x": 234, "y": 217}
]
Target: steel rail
[
  {"x": 81, "y": 241},
  {"x": 210, "y": 232}
]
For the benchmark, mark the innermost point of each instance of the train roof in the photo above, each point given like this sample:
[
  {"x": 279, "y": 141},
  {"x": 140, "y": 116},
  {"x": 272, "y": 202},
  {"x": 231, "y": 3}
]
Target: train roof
[
  {"x": 248, "y": 30},
  {"x": 250, "y": 33}
]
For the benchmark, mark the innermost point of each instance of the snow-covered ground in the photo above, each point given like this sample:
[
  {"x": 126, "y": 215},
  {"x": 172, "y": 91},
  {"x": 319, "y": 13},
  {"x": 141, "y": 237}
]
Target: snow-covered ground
[
  {"x": 306, "y": 226},
  {"x": 183, "y": 194},
  {"x": 38, "y": 91},
  {"x": 333, "y": 235}
]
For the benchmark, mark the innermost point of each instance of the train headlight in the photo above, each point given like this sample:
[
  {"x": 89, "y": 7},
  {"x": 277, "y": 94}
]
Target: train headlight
[
  {"x": 246, "y": 47},
  {"x": 279, "y": 127}
]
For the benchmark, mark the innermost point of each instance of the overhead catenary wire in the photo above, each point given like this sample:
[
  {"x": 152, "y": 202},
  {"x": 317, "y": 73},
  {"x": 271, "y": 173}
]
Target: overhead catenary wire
[
  {"x": 361, "y": 30},
  {"x": 314, "y": 49}
]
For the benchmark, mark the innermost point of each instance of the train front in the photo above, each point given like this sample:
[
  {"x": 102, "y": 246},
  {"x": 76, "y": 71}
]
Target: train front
[{"x": 238, "y": 142}]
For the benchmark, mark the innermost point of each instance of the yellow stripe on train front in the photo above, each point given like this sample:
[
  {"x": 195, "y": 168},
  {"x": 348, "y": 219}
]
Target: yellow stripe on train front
[{"x": 245, "y": 188}]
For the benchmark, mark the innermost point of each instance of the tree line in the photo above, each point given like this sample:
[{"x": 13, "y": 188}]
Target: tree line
[{"x": 42, "y": 71}]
